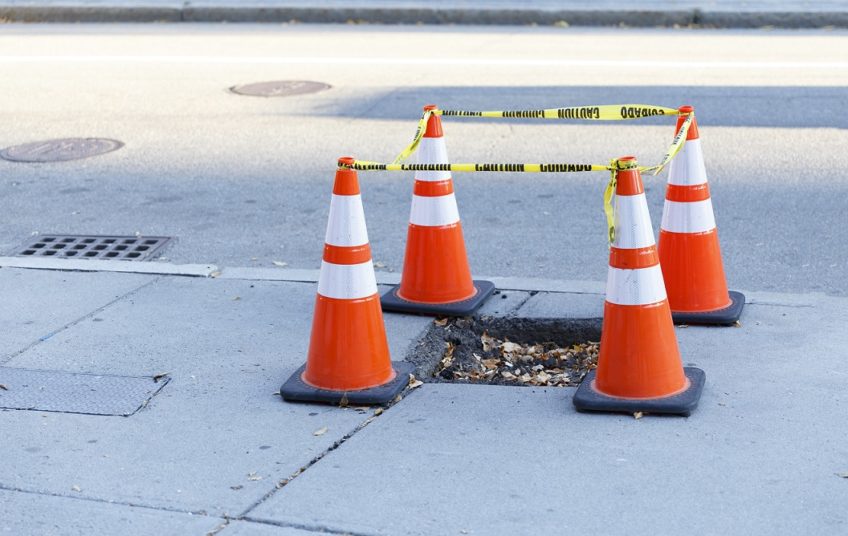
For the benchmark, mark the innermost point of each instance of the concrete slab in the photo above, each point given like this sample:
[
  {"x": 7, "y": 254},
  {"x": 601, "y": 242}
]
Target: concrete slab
[
  {"x": 218, "y": 438},
  {"x": 34, "y": 514},
  {"x": 761, "y": 454},
  {"x": 38, "y": 304},
  {"x": 547, "y": 305},
  {"x": 503, "y": 303}
]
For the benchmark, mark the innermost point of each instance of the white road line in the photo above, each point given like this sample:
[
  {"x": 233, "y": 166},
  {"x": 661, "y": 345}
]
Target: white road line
[{"x": 483, "y": 62}]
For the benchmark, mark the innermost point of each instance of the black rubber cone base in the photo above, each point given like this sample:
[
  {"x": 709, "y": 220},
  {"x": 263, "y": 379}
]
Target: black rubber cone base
[
  {"x": 296, "y": 390},
  {"x": 392, "y": 302},
  {"x": 587, "y": 398},
  {"x": 721, "y": 317}
]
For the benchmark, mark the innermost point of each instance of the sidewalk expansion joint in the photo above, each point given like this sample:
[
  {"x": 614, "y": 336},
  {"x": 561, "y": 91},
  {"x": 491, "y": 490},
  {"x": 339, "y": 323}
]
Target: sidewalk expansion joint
[
  {"x": 318, "y": 529},
  {"x": 16, "y": 489},
  {"x": 338, "y": 443},
  {"x": 6, "y": 359}
]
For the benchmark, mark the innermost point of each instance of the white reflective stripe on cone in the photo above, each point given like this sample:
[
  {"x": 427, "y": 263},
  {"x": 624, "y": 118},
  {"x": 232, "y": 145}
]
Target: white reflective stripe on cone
[
  {"x": 432, "y": 151},
  {"x": 346, "y": 224},
  {"x": 347, "y": 281},
  {"x": 688, "y": 217},
  {"x": 635, "y": 287},
  {"x": 633, "y": 227},
  {"x": 434, "y": 211},
  {"x": 687, "y": 168}
]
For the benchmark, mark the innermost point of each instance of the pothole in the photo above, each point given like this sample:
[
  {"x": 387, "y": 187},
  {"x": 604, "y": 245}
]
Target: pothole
[{"x": 508, "y": 351}]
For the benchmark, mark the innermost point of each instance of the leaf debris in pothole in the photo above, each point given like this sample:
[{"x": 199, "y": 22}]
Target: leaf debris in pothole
[
  {"x": 413, "y": 383},
  {"x": 320, "y": 431},
  {"x": 507, "y": 362}
]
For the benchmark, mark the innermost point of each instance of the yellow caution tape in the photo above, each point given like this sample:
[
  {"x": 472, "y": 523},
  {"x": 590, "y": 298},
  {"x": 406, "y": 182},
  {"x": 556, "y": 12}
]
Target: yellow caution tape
[
  {"x": 600, "y": 113},
  {"x": 362, "y": 165},
  {"x": 419, "y": 133},
  {"x": 674, "y": 148},
  {"x": 603, "y": 112},
  {"x": 615, "y": 165}
]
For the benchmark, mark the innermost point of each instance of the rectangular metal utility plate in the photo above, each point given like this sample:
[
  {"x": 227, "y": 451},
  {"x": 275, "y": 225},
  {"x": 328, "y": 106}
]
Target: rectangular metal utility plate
[
  {"x": 70, "y": 392},
  {"x": 103, "y": 247}
]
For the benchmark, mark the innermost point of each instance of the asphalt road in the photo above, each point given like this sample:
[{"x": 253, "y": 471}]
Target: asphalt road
[{"x": 245, "y": 181}]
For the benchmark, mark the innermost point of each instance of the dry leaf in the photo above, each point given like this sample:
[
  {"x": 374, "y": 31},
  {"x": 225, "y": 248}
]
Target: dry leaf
[
  {"x": 76, "y": 488},
  {"x": 441, "y": 321},
  {"x": 3, "y": 387},
  {"x": 843, "y": 474},
  {"x": 159, "y": 376},
  {"x": 413, "y": 383},
  {"x": 378, "y": 411},
  {"x": 253, "y": 477},
  {"x": 378, "y": 264},
  {"x": 216, "y": 273},
  {"x": 510, "y": 347},
  {"x": 638, "y": 415},
  {"x": 281, "y": 264},
  {"x": 737, "y": 324},
  {"x": 237, "y": 298},
  {"x": 320, "y": 431}
]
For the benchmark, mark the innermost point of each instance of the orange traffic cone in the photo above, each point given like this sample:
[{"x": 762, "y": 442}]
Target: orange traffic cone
[
  {"x": 348, "y": 357},
  {"x": 436, "y": 278},
  {"x": 639, "y": 366},
  {"x": 689, "y": 250}
]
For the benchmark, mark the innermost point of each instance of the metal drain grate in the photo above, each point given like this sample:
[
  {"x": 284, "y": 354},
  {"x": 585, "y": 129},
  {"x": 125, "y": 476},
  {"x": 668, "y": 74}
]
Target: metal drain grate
[{"x": 116, "y": 248}]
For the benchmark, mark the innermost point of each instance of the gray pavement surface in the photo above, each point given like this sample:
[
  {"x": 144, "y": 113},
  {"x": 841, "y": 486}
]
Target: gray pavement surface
[
  {"x": 216, "y": 447},
  {"x": 244, "y": 183},
  {"x": 642, "y": 13}
]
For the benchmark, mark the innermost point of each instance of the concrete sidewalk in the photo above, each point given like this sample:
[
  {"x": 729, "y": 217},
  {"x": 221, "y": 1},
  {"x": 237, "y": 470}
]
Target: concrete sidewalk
[
  {"x": 643, "y": 13},
  {"x": 211, "y": 448}
]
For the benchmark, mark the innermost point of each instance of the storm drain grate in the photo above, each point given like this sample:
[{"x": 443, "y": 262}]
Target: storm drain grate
[{"x": 116, "y": 248}]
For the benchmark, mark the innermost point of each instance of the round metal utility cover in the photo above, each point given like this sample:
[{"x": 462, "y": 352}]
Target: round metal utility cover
[
  {"x": 60, "y": 150},
  {"x": 280, "y": 88}
]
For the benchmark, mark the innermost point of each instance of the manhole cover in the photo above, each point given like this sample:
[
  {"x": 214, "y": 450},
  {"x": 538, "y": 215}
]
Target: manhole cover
[
  {"x": 118, "y": 248},
  {"x": 60, "y": 150},
  {"x": 509, "y": 351},
  {"x": 280, "y": 88}
]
